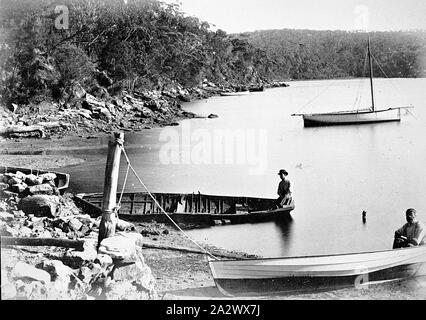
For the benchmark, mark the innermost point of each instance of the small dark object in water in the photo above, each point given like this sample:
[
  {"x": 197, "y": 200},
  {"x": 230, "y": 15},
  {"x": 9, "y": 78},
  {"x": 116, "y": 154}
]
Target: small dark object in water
[
  {"x": 364, "y": 216},
  {"x": 211, "y": 116}
]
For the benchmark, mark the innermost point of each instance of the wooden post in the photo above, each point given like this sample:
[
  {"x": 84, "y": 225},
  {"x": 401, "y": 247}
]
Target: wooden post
[{"x": 109, "y": 219}]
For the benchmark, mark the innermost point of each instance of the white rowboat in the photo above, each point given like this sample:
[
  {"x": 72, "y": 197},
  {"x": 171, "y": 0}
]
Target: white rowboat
[{"x": 311, "y": 273}]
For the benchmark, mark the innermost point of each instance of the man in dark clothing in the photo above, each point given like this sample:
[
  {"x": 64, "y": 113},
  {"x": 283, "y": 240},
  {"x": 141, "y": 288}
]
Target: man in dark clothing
[
  {"x": 410, "y": 234},
  {"x": 284, "y": 192}
]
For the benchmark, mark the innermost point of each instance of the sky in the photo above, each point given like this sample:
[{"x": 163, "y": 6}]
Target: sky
[{"x": 235, "y": 16}]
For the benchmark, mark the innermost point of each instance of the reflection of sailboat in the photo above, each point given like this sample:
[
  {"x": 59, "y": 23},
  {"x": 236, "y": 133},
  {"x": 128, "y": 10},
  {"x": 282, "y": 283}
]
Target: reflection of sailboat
[{"x": 370, "y": 115}]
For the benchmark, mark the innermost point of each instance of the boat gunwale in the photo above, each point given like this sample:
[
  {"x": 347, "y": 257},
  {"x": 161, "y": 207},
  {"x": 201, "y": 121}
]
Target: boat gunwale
[
  {"x": 60, "y": 175},
  {"x": 286, "y": 209},
  {"x": 349, "y": 112},
  {"x": 316, "y": 256}
]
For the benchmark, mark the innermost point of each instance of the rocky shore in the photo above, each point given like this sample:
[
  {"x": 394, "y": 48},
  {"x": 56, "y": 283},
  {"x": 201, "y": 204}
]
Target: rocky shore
[
  {"x": 88, "y": 114},
  {"x": 50, "y": 250}
]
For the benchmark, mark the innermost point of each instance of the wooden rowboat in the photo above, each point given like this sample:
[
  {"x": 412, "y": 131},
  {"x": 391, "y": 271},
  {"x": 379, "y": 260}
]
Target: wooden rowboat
[
  {"x": 292, "y": 275},
  {"x": 61, "y": 181},
  {"x": 189, "y": 209},
  {"x": 239, "y": 93}
]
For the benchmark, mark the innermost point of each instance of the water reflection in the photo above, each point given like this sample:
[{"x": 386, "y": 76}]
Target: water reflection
[{"x": 285, "y": 228}]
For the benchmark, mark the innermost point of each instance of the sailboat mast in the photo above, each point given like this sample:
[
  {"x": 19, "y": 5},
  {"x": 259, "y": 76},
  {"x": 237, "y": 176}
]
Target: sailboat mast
[{"x": 371, "y": 74}]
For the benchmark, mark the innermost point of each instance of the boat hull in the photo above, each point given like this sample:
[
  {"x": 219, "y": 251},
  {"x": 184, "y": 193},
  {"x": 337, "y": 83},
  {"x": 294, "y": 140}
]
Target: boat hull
[
  {"x": 61, "y": 180},
  {"x": 190, "y": 210},
  {"x": 348, "y": 118},
  {"x": 321, "y": 273},
  {"x": 231, "y": 94}
]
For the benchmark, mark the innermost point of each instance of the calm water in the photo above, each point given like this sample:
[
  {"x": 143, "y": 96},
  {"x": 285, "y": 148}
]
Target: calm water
[{"x": 336, "y": 172}]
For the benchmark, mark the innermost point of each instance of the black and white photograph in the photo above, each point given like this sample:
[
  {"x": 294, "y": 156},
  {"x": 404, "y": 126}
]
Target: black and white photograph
[{"x": 212, "y": 155}]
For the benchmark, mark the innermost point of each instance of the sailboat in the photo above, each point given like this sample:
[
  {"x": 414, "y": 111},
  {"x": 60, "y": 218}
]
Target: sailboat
[{"x": 362, "y": 116}]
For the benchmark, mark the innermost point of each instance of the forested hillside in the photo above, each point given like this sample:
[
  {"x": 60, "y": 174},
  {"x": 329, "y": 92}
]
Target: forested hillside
[
  {"x": 148, "y": 44},
  {"x": 306, "y": 54}
]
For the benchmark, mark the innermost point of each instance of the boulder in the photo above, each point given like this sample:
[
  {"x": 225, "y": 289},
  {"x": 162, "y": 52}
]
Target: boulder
[
  {"x": 5, "y": 216},
  {"x": 44, "y": 188},
  {"x": 119, "y": 247},
  {"x": 19, "y": 187},
  {"x": 60, "y": 273},
  {"x": 40, "y": 205},
  {"x": 75, "y": 224},
  {"x": 23, "y": 270},
  {"x": 124, "y": 290},
  {"x": 90, "y": 102},
  {"x": 103, "y": 260},
  {"x": 124, "y": 225},
  {"x": 76, "y": 259},
  {"x": 25, "y": 232},
  {"x": 48, "y": 176},
  {"x": 32, "y": 180}
]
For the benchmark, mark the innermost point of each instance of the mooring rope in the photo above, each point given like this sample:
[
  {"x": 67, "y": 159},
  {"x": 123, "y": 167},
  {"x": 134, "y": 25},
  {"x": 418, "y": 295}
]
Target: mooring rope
[
  {"x": 391, "y": 82},
  {"x": 161, "y": 208}
]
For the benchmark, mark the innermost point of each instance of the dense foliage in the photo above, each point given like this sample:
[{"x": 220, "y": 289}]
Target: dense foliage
[
  {"x": 151, "y": 44},
  {"x": 307, "y": 54}
]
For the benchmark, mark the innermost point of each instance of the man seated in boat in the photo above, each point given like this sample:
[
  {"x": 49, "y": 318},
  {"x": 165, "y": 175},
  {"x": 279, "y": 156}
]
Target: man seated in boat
[
  {"x": 411, "y": 234},
  {"x": 284, "y": 192}
]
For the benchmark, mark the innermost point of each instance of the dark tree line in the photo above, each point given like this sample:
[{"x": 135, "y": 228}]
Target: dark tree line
[
  {"x": 150, "y": 44},
  {"x": 307, "y": 54}
]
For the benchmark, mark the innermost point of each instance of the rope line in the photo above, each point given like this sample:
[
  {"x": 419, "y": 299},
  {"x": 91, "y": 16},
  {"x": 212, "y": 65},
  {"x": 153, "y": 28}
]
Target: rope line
[
  {"x": 358, "y": 99},
  {"x": 161, "y": 208},
  {"x": 122, "y": 189},
  {"x": 314, "y": 98},
  {"x": 390, "y": 80}
]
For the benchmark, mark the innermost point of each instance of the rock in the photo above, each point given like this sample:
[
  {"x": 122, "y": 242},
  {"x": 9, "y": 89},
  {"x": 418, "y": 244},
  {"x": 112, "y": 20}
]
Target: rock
[
  {"x": 103, "y": 259},
  {"x": 124, "y": 290},
  {"x": 10, "y": 232},
  {"x": 32, "y": 180},
  {"x": 91, "y": 102},
  {"x": 48, "y": 176},
  {"x": 77, "y": 91},
  {"x": 40, "y": 205},
  {"x": 124, "y": 225},
  {"x": 104, "y": 114},
  {"x": 42, "y": 189},
  {"x": 60, "y": 273},
  {"x": 25, "y": 232},
  {"x": 88, "y": 273},
  {"x": 134, "y": 236},
  {"x": 85, "y": 219},
  {"x": 75, "y": 224},
  {"x": 118, "y": 247},
  {"x": 6, "y": 216},
  {"x": 8, "y": 291},
  {"x": 75, "y": 259},
  {"x": 18, "y": 213},
  {"x": 85, "y": 113},
  {"x": 19, "y": 187},
  {"x": 3, "y": 186},
  {"x": 37, "y": 232},
  {"x": 103, "y": 79},
  {"x": 23, "y": 270},
  {"x": 34, "y": 290},
  {"x": 45, "y": 234}
]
